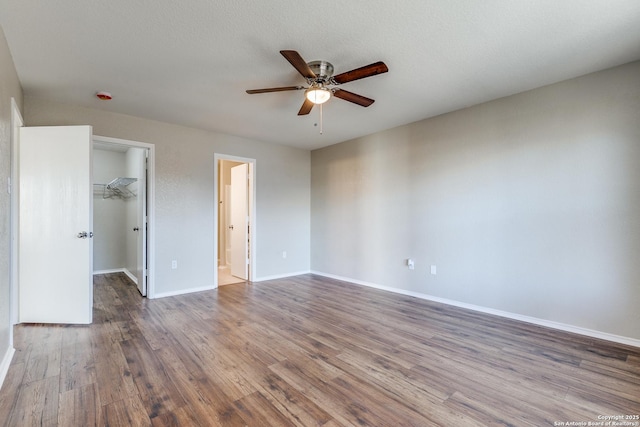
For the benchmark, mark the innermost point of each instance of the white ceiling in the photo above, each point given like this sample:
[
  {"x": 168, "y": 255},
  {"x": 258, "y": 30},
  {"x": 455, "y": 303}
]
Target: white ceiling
[{"x": 189, "y": 62}]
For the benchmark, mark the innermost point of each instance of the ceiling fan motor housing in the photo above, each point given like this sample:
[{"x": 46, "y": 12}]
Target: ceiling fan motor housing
[{"x": 322, "y": 69}]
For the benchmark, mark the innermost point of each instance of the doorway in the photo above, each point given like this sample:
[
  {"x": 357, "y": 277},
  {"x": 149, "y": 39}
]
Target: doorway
[
  {"x": 122, "y": 210},
  {"x": 39, "y": 296},
  {"x": 235, "y": 219}
]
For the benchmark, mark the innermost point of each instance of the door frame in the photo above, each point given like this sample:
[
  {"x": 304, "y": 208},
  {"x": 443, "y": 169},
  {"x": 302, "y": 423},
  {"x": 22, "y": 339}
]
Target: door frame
[
  {"x": 151, "y": 203},
  {"x": 16, "y": 123},
  {"x": 252, "y": 212}
]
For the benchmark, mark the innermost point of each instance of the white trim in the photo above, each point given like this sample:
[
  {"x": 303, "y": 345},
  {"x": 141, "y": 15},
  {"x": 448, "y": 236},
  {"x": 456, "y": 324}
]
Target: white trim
[
  {"x": 108, "y": 271},
  {"x": 151, "y": 204},
  {"x": 280, "y": 276},
  {"x": 533, "y": 320},
  {"x": 253, "y": 214},
  {"x": 16, "y": 122},
  {"x": 184, "y": 291},
  {"x": 133, "y": 278},
  {"x": 6, "y": 362}
]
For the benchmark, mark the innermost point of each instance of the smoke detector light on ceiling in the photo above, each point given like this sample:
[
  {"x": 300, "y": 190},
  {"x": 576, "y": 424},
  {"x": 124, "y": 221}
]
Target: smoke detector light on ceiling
[{"x": 104, "y": 96}]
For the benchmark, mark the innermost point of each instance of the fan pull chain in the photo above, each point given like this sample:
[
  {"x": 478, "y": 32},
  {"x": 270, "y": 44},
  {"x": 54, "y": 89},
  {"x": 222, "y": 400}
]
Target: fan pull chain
[{"x": 320, "y": 119}]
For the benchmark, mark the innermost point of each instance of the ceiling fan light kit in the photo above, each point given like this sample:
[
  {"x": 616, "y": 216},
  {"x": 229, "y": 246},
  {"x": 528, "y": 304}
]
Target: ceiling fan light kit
[
  {"x": 317, "y": 94},
  {"x": 319, "y": 77}
]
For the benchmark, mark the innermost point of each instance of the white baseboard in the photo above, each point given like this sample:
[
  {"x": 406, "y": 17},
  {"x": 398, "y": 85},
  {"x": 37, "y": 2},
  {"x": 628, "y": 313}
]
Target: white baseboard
[
  {"x": 110, "y": 271},
  {"x": 6, "y": 362},
  {"x": 182, "y": 292},
  {"x": 118, "y": 270},
  {"x": 133, "y": 278},
  {"x": 534, "y": 320},
  {"x": 280, "y": 276}
]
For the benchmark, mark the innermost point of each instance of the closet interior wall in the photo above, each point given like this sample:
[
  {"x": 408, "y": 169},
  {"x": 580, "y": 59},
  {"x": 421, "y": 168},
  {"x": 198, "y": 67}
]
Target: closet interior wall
[{"x": 114, "y": 214}]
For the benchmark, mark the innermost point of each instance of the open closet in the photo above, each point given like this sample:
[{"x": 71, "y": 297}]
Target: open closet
[{"x": 119, "y": 211}]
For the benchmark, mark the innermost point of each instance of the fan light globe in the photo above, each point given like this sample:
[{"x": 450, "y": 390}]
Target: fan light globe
[{"x": 318, "y": 95}]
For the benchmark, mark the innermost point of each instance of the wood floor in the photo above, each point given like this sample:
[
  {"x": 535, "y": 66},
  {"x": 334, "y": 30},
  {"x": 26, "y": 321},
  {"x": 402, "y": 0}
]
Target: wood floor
[{"x": 308, "y": 351}]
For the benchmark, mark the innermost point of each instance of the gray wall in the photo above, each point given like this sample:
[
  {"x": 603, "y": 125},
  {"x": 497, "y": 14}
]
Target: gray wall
[
  {"x": 185, "y": 190},
  {"x": 528, "y": 204},
  {"x": 109, "y": 214},
  {"x": 9, "y": 87}
]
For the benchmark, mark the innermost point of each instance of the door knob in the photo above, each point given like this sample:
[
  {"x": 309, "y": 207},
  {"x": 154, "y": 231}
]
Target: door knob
[
  {"x": 136, "y": 229},
  {"x": 83, "y": 235},
  {"x": 231, "y": 227}
]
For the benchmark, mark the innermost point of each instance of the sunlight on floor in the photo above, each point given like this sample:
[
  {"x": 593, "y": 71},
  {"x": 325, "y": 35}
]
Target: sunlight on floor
[{"x": 225, "y": 277}]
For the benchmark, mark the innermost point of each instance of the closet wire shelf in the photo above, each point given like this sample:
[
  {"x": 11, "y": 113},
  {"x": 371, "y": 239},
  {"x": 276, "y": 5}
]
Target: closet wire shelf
[{"x": 116, "y": 188}]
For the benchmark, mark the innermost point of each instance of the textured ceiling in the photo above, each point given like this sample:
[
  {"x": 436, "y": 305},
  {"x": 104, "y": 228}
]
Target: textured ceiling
[{"x": 190, "y": 62}]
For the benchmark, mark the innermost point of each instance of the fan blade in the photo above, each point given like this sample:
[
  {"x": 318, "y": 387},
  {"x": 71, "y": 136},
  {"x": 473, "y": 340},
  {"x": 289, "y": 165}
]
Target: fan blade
[
  {"x": 298, "y": 63},
  {"x": 306, "y": 107},
  {"x": 353, "y": 97},
  {"x": 274, "y": 89},
  {"x": 362, "y": 72}
]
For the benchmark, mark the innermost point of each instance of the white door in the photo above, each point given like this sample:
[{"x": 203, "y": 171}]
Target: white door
[
  {"x": 141, "y": 215},
  {"x": 239, "y": 221},
  {"x": 227, "y": 221},
  {"x": 55, "y": 225},
  {"x": 141, "y": 269}
]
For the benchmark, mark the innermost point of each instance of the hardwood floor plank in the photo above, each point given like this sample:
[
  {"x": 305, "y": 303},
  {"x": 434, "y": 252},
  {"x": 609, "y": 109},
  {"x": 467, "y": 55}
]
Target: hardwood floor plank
[
  {"x": 307, "y": 351},
  {"x": 177, "y": 418},
  {"x": 256, "y": 410},
  {"x": 488, "y": 413},
  {"x": 282, "y": 396},
  {"x": 622, "y": 372},
  {"x": 155, "y": 389},
  {"x": 156, "y": 335},
  {"x": 593, "y": 403},
  {"x": 79, "y": 406},
  {"x": 114, "y": 377},
  {"x": 577, "y": 378},
  {"x": 77, "y": 367},
  {"x": 10, "y": 391},
  {"x": 206, "y": 401},
  {"x": 418, "y": 393},
  {"x": 390, "y": 376},
  {"x": 368, "y": 405},
  {"x": 126, "y": 412},
  {"x": 295, "y": 406},
  {"x": 220, "y": 365},
  {"x": 45, "y": 355},
  {"x": 37, "y": 404}
]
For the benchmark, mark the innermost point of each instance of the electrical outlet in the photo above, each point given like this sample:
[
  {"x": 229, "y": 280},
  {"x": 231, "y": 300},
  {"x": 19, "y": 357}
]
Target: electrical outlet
[
  {"x": 284, "y": 254},
  {"x": 174, "y": 264}
]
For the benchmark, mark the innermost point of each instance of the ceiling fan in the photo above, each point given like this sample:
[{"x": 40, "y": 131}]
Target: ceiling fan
[{"x": 320, "y": 78}]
